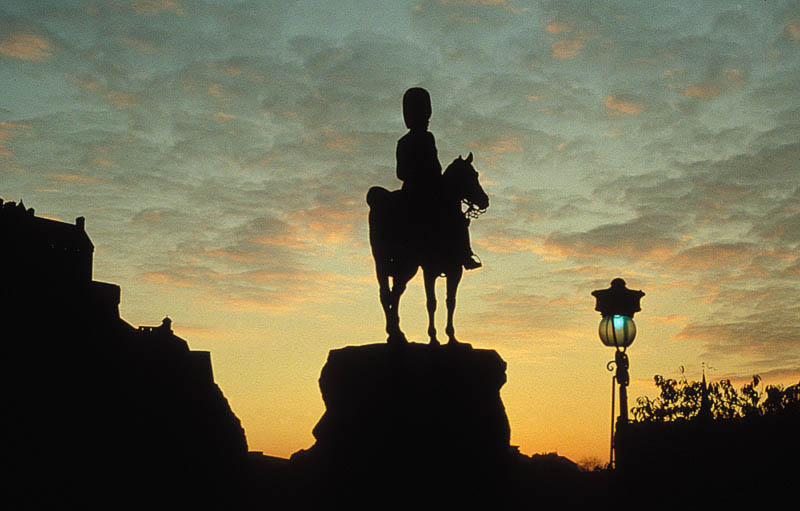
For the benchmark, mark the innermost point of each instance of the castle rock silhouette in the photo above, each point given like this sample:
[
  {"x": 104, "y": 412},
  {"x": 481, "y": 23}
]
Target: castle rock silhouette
[{"x": 100, "y": 413}]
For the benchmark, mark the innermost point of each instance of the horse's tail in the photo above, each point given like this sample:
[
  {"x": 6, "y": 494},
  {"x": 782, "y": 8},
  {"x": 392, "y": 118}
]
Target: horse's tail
[{"x": 377, "y": 195}]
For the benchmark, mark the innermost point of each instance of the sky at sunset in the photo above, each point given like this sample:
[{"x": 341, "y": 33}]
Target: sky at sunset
[{"x": 221, "y": 152}]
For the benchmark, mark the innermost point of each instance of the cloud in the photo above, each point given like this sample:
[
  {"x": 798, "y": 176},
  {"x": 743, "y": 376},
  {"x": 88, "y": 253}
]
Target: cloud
[
  {"x": 263, "y": 262},
  {"x": 736, "y": 192},
  {"x": 276, "y": 291},
  {"x": 164, "y": 220},
  {"x": 9, "y": 131},
  {"x": 714, "y": 256},
  {"x": 340, "y": 142},
  {"x": 329, "y": 225},
  {"x": 26, "y": 46},
  {"x": 186, "y": 277},
  {"x": 454, "y": 20},
  {"x": 781, "y": 224},
  {"x": 479, "y": 3},
  {"x": 623, "y": 105},
  {"x": 651, "y": 238},
  {"x": 732, "y": 200},
  {"x": 154, "y": 7},
  {"x": 557, "y": 27},
  {"x": 498, "y": 144},
  {"x": 506, "y": 243},
  {"x": 141, "y": 45},
  {"x": 511, "y": 313},
  {"x": 71, "y": 178},
  {"x": 121, "y": 99},
  {"x": 792, "y": 31},
  {"x": 672, "y": 318},
  {"x": 753, "y": 336},
  {"x": 567, "y": 48},
  {"x": 701, "y": 91},
  {"x": 792, "y": 270}
]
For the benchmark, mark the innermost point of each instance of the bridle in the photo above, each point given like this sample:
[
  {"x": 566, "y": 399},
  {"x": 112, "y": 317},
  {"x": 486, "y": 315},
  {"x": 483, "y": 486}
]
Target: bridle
[{"x": 472, "y": 211}]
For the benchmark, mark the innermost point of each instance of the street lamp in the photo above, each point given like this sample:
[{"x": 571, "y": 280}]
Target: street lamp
[{"x": 618, "y": 304}]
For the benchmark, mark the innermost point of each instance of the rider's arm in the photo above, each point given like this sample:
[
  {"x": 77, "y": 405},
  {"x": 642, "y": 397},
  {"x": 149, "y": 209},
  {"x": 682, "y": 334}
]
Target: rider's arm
[
  {"x": 403, "y": 160},
  {"x": 434, "y": 157}
]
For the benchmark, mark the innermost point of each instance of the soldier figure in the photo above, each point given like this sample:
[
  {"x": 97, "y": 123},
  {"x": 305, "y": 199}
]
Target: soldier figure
[{"x": 419, "y": 168}]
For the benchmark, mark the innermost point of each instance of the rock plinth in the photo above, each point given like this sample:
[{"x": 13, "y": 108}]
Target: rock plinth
[{"x": 409, "y": 424}]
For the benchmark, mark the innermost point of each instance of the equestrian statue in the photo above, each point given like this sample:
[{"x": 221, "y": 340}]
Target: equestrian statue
[{"x": 425, "y": 223}]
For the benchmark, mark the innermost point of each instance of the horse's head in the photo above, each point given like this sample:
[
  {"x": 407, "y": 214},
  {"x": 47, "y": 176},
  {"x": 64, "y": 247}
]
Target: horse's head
[{"x": 461, "y": 180}]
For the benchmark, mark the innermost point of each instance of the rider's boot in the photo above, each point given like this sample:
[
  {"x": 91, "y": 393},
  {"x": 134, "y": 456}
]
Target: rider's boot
[{"x": 472, "y": 262}]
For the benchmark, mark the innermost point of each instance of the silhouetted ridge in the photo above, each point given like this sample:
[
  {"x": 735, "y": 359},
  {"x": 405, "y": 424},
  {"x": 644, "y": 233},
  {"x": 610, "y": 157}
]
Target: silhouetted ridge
[{"x": 425, "y": 424}]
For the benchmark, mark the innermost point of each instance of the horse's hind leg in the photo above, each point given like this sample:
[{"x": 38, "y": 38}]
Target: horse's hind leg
[
  {"x": 430, "y": 302},
  {"x": 453, "y": 279},
  {"x": 399, "y": 284},
  {"x": 387, "y": 301}
]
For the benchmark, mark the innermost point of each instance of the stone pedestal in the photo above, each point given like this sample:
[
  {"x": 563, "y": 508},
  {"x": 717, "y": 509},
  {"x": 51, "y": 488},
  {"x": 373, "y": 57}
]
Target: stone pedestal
[{"x": 411, "y": 424}]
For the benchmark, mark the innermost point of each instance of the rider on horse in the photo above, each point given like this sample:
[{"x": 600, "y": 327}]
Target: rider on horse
[{"x": 419, "y": 168}]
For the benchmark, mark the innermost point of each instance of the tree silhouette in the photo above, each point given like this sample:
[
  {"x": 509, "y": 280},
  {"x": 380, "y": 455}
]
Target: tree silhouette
[
  {"x": 684, "y": 400},
  {"x": 711, "y": 444}
]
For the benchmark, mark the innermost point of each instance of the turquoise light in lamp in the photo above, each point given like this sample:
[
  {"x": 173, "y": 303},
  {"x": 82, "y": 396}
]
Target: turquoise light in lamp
[{"x": 617, "y": 331}]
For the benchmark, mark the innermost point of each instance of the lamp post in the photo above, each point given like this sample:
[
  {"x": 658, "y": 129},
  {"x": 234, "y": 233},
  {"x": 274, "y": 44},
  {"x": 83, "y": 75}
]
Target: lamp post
[{"x": 618, "y": 304}]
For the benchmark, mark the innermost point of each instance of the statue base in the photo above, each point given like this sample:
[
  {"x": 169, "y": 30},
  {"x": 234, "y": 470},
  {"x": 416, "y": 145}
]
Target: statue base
[{"x": 409, "y": 423}]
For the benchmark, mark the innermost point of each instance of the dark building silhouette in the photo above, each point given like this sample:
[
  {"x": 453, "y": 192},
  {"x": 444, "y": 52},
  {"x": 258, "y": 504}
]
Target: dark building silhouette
[
  {"x": 101, "y": 414},
  {"x": 47, "y": 249}
]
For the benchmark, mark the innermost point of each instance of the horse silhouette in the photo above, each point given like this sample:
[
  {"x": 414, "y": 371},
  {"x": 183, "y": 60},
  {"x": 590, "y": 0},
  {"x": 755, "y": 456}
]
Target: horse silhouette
[{"x": 400, "y": 247}]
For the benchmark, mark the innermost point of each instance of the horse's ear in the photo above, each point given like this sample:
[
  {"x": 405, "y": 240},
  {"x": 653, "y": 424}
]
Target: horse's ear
[
  {"x": 459, "y": 157},
  {"x": 469, "y": 158}
]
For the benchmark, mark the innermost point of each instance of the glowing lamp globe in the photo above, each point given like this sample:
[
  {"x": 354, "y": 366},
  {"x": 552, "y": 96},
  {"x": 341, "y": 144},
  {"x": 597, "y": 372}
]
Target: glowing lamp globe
[{"x": 617, "y": 331}]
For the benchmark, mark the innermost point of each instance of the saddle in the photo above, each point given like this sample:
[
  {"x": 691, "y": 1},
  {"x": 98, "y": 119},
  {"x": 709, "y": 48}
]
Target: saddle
[{"x": 429, "y": 228}]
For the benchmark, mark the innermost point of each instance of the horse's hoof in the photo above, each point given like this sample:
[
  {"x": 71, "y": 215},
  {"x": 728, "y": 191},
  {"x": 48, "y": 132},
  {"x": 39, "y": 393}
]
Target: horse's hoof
[
  {"x": 434, "y": 342},
  {"x": 397, "y": 339},
  {"x": 453, "y": 343}
]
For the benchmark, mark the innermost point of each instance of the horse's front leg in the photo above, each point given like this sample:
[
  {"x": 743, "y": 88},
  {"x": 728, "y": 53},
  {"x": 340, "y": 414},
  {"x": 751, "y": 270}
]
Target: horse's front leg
[
  {"x": 430, "y": 301},
  {"x": 453, "y": 278}
]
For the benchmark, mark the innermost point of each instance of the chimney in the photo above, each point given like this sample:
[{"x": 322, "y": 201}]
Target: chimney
[{"x": 80, "y": 223}]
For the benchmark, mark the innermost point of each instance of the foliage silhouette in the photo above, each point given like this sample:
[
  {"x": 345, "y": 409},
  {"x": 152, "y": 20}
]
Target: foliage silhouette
[
  {"x": 712, "y": 445},
  {"x": 684, "y": 400}
]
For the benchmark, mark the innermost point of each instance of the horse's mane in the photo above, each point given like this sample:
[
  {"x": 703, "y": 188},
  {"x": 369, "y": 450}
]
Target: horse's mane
[{"x": 455, "y": 165}]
